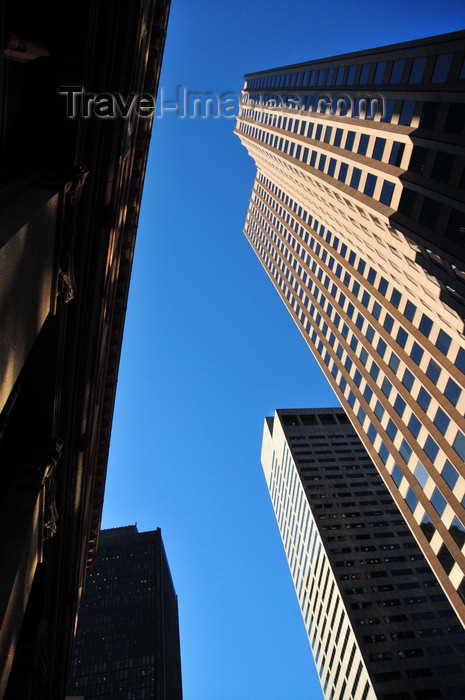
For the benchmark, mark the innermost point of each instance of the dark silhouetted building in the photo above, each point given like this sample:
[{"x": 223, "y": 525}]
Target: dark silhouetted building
[
  {"x": 70, "y": 191},
  {"x": 378, "y": 623},
  {"x": 127, "y": 641},
  {"x": 358, "y": 216}
]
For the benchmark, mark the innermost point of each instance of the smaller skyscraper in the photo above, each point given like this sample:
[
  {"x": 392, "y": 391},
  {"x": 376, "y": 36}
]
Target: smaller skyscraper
[
  {"x": 127, "y": 642},
  {"x": 379, "y": 626}
]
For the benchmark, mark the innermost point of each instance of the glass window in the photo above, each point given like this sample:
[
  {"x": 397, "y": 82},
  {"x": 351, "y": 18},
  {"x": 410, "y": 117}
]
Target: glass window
[
  {"x": 379, "y": 73},
  {"x": 370, "y": 185},
  {"x": 414, "y": 425},
  {"x": 338, "y": 137},
  {"x": 399, "y": 405},
  {"x": 411, "y": 499},
  {"x": 402, "y": 336},
  {"x": 417, "y": 70},
  {"x": 349, "y": 140},
  {"x": 397, "y": 475},
  {"x": 376, "y": 310},
  {"x": 443, "y": 166},
  {"x": 431, "y": 448},
  {"x": 386, "y": 387},
  {"x": 409, "y": 311},
  {"x": 394, "y": 362},
  {"x": 395, "y": 298},
  {"x": 343, "y": 172},
  {"x": 388, "y": 322},
  {"x": 381, "y": 347},
  {"x": 331, "y": 167},
  {"x": 364, "y": 73},
  {"x": 321, "y": 164},
  {"x": 328, "y": 132},
  {"x": 405, "y": 450},
  {"x": 378, "y": 148},
  {"x": 416, "y": 353},
  {"x": 460, "y": 360},
  {"x": 459, "y": 444},
  {"x": 351, "y": 75},
  {"x": 452, "y": 392},
  {"x": 408, "y": 379},
  {"x": 397, "y": 70},
  {"x": 433, "y": 371},
  {"x": 423, "y": 399},
  {"x": 383, "y": 285},
  {"x": 397, "y": 152},
  {"x": 421, "y": 475},
  {"x": 430, "y": 212},
  {"x": 442, "y": 67},
  {"x": 426, "y": 325},
  {"x": 361, "y": 415},
  {"x": 355, "y": 179},
  {"x": 340, "y": 74},
  {"x": 379, "y": 410},
  {"x": 386, "y": 192},
  {"x": 418, "y": 159},
  {"x": 438, "y": 501},
  {"x": 441, "y": 420},
  {"x": 363, "y": 144},
  {"x": 450, "y": 474},
  {"x": 406, "y": 113},
  {"x": 391, "y": 429},
  {"x": 388, "y": 110},
  {"x": 371, "y": 432},
  {"x": 443, "y": 342},
  {"x": 407, "y": 201}
]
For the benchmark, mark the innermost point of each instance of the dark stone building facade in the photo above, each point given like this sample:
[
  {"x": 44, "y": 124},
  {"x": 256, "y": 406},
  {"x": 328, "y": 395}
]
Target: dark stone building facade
[{"x": 70, "y": 190}]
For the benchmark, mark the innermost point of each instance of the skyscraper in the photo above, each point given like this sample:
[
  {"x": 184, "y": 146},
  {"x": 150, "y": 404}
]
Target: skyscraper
[
  {"x": 358, "y": 217},
  {"x": 127, "y": 642},
  {"x": 377, "y": 621}
]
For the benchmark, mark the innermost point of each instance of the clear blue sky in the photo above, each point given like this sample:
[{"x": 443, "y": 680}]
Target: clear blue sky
[{"x": 209, "y": 348}]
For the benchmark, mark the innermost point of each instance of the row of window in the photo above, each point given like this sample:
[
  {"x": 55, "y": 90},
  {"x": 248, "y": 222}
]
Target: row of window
[{"x": 396, "y": 72}]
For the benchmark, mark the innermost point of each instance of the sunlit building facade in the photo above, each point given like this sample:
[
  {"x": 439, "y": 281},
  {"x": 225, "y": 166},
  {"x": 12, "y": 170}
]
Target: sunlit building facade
[
  {"x": 127, "y": 643},
  {"x": 378, "y": 623},
  {"x": 358, "y": 216}
]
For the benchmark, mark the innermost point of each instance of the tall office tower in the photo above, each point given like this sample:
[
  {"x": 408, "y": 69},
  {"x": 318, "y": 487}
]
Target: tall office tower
[
  {"x": 127, "y": 642},
  {"x": 378, "y": 623},
  {"x": 358, "y": 216}
]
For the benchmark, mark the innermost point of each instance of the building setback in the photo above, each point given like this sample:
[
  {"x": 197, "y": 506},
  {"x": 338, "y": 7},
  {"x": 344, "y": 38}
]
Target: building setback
[
  {"x": 358, "y": 217},
  {"x": 378, "y": 623},
  {"x": 127, "y": 641}
]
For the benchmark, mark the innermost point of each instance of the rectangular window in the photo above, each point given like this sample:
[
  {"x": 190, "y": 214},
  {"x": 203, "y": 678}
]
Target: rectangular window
[
  {"x": 407, "y": 112},
  {"x": 363, "y": 144},
  {"x": 386, "y": 192},
  {"x": 355, "y": 179},
  {"x": 442, "y": 67},
  {"x": 397, "y": 70},
  {"x": 370, "y": 185},
  {"x": 349, "y": 140},
  {"x": 378, "y": 78},
  {"x": 417, "y": 70},
  {"x": 343, "y": 172}
]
